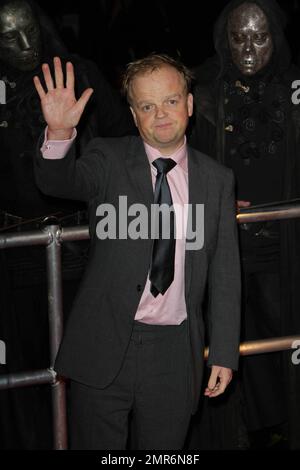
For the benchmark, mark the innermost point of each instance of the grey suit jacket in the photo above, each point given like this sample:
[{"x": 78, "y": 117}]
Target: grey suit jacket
[{"x": 99, "y": 328}]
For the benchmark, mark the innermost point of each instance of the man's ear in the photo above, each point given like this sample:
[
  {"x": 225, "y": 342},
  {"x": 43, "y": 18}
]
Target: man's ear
[
  {"x": 134, "y": 115},
  {"x": 190, "y": 104}
]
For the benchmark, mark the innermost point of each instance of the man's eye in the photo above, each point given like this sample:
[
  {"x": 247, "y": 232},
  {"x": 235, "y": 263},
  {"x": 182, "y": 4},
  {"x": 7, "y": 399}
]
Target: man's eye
[
  {"x": 172, "y": 102},
  {"x": 147, "y": 107}
]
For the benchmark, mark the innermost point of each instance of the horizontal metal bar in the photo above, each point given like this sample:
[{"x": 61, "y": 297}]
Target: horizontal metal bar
[
  {"x": 261, "y": 216},
  {"x": 25, "y": 379},
  {"x": 75, "y": 233},
  {"x": 33, "y": 237},
  {"x": 268, "y": 345},
  {"x": 263, "y": 346},
  {"x": 42, "y": 237}
]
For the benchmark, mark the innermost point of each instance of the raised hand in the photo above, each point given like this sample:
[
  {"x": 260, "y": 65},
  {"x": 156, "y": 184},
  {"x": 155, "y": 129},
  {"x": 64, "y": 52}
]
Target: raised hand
[{"x": 61, "y": 110}]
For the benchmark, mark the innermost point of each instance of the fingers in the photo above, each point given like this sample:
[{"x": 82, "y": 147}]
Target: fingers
[
  {"x": 59, "y": 83},
  {"x": 81, "y": 103},
  {"x": 219, "y": 388},
  {"x": 70, "y": 76},
  {"x": 38, "y": 87},
  {"x": 59, "y": 76},
  {"x": 213, "y": 378},
  {"x": 212, "y": 385},
  {"x": 220, "y": 377},
  {"x": 48, "y": 77}
]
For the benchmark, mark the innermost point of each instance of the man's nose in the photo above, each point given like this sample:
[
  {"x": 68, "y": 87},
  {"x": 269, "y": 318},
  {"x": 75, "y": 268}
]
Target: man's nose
[
  {"x": 160, "y": 112},
  {"x": 24, "y": 41}
]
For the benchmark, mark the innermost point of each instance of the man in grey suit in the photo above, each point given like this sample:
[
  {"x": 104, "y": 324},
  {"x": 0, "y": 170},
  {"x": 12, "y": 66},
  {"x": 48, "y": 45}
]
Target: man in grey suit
[{"x": 134, "y": 342}]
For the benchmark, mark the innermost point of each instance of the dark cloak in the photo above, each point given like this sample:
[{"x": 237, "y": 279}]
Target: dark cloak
[
  {"x": 25, "y": 414},
  {"x": 208, "y": 136}
]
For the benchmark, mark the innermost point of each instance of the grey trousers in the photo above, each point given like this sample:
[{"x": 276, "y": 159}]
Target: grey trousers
[{"x": 152, "y": 387}]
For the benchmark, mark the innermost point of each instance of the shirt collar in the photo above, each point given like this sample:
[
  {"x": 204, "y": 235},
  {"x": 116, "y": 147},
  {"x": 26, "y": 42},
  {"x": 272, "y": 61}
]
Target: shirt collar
[{"x": 179, "y": 156}]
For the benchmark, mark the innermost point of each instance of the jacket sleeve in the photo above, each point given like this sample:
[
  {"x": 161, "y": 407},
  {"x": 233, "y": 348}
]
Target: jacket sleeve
[
  {"x": 225, "y": 286},
  {"x": 70, "y": 178}
]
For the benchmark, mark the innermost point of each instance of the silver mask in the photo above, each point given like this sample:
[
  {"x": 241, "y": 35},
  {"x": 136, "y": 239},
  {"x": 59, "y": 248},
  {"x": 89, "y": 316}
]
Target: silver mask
[
  {"x": 20, "y": 37},
  {"x": 250, "y": 39}
]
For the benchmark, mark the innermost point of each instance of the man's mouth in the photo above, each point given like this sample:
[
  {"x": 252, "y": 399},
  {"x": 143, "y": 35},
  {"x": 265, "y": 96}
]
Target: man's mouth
[{"x": 165, "y": 125}]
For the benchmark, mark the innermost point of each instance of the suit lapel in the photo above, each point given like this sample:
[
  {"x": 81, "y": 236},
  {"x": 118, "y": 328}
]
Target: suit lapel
[
  {"x": 139, "y": 172},
  {"x": 198, "y": 178},
  {"x": 198, "y": 184}
]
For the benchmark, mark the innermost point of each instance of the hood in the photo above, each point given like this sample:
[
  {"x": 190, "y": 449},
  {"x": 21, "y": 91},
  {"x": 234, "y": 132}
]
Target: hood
[
  {"x": 51, "y": 40},
  {"x": 277, "y": 21}
]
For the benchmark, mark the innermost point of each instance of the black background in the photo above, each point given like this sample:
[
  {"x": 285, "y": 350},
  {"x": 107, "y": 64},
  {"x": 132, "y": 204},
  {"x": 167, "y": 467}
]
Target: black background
[{"x": 113, "y": 32}]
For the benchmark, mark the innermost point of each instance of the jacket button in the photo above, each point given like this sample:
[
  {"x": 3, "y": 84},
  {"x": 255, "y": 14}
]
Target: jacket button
[{"x": 139, "y": 287}]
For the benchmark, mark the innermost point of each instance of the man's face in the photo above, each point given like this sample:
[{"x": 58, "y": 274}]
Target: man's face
[
  {"x": 161, "y": 108},
  {"x": 249, "y": 38},
  {"x": 20, "y": 41}
]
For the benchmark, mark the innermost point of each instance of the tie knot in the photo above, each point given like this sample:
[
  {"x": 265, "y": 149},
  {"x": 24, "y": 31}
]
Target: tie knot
[{"x": 164, "y": 165}]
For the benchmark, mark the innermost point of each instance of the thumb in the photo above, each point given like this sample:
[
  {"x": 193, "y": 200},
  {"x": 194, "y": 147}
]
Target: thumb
[
  {"x": 213, "y": 377},
  {"x": 82, "y": 102}
]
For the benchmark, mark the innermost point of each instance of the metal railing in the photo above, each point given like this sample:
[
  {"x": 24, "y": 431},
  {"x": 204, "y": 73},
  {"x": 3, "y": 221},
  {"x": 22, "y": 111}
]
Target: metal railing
[{"x": 52, "y": 237}]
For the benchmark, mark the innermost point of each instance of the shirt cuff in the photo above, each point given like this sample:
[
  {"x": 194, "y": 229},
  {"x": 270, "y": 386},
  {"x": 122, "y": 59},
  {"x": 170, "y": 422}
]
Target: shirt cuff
[{"x": 56, "y": 149}]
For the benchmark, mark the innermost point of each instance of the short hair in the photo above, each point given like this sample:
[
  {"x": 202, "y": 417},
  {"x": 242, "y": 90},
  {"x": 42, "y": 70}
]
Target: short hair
[{"x": 150, "y": 63}]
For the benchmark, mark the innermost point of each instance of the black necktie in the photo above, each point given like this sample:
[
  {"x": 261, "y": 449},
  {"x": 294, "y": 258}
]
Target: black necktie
[{"x": 163, "y": 253}]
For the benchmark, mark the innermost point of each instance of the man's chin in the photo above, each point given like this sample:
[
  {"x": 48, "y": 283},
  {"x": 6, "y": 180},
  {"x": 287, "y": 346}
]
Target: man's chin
[{"x": 165, "y": 135}]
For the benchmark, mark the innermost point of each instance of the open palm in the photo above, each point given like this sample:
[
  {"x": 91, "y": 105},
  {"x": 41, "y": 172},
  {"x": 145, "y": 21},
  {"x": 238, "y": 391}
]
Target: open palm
[{"x": 60, "y": 108}]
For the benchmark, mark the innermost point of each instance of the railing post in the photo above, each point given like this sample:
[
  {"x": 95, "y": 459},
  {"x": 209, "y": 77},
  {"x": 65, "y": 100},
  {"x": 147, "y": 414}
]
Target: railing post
[{"x": 55, "y": 312}]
